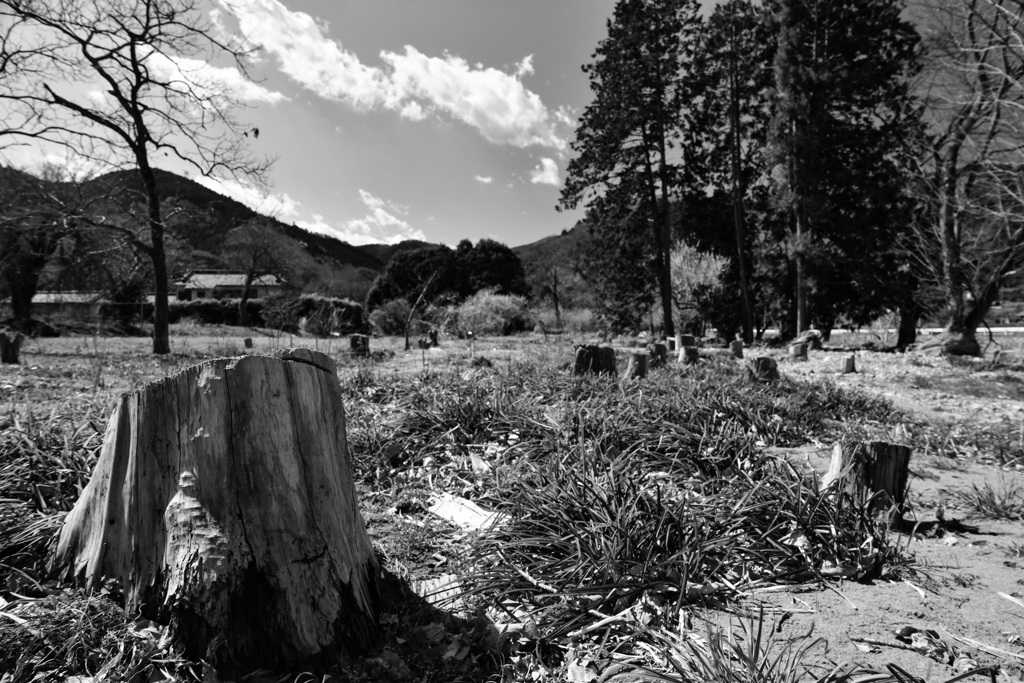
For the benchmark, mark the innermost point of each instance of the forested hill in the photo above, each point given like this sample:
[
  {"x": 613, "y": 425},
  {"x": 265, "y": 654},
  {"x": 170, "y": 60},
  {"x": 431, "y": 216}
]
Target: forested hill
[{"x": 217, "y": 214}]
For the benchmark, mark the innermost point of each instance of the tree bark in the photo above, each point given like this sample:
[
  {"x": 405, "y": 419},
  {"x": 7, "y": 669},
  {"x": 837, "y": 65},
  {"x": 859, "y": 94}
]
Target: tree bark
[
  {"x": 636, "y": 367},
  {"x": 222, "y": 503},
  {"x": 874, "y": 474}
]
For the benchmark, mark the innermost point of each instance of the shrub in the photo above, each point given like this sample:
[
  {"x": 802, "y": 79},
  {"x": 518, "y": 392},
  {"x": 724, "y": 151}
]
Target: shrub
[
  {"x": 321, "y": 315},
  {"x": 391, "y": 317},
  {"x": 215, "y": 311},
  {"x": 489, "y": 313}
]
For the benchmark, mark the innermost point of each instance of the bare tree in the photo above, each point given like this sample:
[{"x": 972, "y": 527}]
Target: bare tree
[
  {"x": 122, "y": 83},
  {"x": 971, "y": 235}
]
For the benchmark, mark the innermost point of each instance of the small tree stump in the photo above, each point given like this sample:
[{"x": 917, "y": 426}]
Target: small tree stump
[
  {"x": 659, "y": 355},
  {"x": 874, "y": 473},
  {"x": 689, "y": 355},
  {"x": 686, "y": 340},
  {"x": 223, "y": 503},
  {"x": 736, "y": 347},
  {"x": 636, "y": 367},
  {"x": 675, "y": 343},
  {"x": 798, "y": 351},
  {"x": 432, "y": 336},
  {"x": 810, "y": 337},
  {"x": 763, "y": 369},
  {"x": 594, "y": 359},
  {"x": 10, "y": 347},
  {"x": 360, "y": 344},
  {"x": 247, "y": 342},
  {"x": 849, "y": 364}
]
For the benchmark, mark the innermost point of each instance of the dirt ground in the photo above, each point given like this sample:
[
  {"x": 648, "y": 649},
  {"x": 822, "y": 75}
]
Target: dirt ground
[
  {"x": 962, "y": 578},
  {"x": 967, "y": 588}
]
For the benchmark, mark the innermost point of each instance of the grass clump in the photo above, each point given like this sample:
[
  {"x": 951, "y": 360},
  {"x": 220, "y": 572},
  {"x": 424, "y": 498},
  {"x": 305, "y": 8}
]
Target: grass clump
[
  {"x": 1002, "y": 501},
  {"x": 45, "y": 463}
]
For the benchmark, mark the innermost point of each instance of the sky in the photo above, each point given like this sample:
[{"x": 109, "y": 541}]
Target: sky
[{"x": 436, "y": 120}]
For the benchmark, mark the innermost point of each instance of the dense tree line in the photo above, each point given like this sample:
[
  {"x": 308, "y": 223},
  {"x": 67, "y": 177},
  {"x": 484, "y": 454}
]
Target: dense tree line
[{"x": 850, "y": 157}]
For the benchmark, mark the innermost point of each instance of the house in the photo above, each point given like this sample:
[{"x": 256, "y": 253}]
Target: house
[
  {"x": 68, "y": 306},
  {"x": 225, "y": 284}
]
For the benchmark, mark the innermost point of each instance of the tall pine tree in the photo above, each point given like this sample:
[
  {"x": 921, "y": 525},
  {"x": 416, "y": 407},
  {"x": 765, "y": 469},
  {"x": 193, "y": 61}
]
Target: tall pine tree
[
  {"x": 628, "y": 143},
  {"x": 843, "y": 111}
]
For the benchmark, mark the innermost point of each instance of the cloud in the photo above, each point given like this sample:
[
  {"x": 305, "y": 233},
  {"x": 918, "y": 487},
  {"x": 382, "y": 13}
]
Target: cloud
[
  {"x": 380, "y": 224},
  {"x": 205, "y": 80},
  {"x": 279, "y": 206},
  {"x": 545, "y": 173},
  {"x": 415, "y": 85},
  {"x": 486, "y": 180}
]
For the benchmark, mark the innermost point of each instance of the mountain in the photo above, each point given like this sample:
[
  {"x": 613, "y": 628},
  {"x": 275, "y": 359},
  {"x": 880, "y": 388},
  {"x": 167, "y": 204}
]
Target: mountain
[{"x": 553, "y": 264}]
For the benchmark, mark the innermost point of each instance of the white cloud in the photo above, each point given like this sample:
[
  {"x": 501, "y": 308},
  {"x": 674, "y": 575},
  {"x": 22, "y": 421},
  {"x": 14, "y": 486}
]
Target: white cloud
[
  {"x": 380, "y": 224},
  {"x": 415, "y": 85},
  {"x": 486, "y": 180},
  {"x": 279, "y": 206},
  {"x": 545, "y": 173},
  {"x": 205, "y": 80}
]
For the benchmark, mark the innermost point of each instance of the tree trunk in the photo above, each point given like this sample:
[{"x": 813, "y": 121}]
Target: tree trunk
[
  {"x": 738, "y": 191},
  {"x": 155, "y": 250},
  {"x": 906, "y": 333},
  {"x": 10, "y": 347},
  {"x": 223, "y": 504},
  {"x": 243, "y": 302},
  {"x": 874, "y": 473}
]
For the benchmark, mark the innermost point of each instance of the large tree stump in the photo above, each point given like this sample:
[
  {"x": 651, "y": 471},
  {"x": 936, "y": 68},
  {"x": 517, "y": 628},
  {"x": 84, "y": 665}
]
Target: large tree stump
[
  {"x": 594, "y": 359},
  {"x": 636, "y": 366},
  {"x": 10, "y": 347},
  {"x": 873, "y": 474},
  {"x": 223, "y": 503},
  {"x": 763, "y": 369}
]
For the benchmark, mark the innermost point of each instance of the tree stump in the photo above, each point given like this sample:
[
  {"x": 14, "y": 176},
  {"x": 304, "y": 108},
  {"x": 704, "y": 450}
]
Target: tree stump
[
  {"x": 360, "y": 344},
  {"x": 849, "y": 364},
  {"x": 763, "y": 369},
  {"x": 594, "y": 359},
  {"x": 873, "y": 473},
  {"x": 689, "y": 355},
  {"x": 736, "y": 347},
  {"x": 810, "y": 337},
  {"x": 686, "y": 340},
  {"x": 675, "y": 343},
  {"x": 247, "y": 342},
  {"x": 659, "y": 355},
  {"x": 432, "y": 336},
  {"x": 636, "y": 367},
  {"x": 10, "y": 347},
  {"x": 798, "y": 351},
  {"x": 222, "y": 503}
]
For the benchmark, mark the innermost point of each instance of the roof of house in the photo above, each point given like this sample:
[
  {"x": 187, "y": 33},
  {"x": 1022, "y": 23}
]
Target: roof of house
[
  {"x": 68, "y": 297},
  {"x": 212, "y": 280}
]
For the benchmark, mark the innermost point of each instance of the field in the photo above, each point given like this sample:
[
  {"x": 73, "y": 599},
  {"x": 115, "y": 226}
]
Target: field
[{"x": 660, "y": 529}]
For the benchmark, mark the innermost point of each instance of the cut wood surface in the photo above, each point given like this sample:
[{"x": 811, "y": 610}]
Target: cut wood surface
[{"x": 222, "y": 502}]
